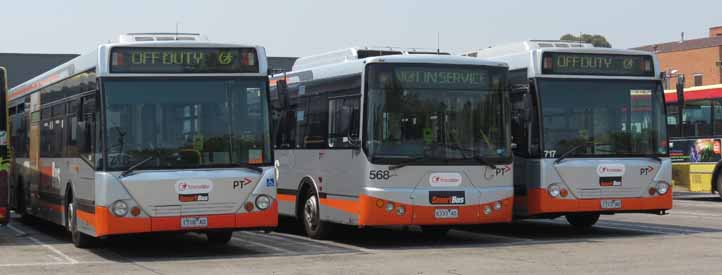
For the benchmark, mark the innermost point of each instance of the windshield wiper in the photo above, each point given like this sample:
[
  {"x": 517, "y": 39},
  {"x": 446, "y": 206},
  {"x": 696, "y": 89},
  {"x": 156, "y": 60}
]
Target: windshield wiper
[
  {"x": 136, "y": 166},
  {"x": 249, "y": 166},
  {"x": 484, "y": 161},
  {"x": 405, "y": 163},
  {"x": 574, "y": 149}
]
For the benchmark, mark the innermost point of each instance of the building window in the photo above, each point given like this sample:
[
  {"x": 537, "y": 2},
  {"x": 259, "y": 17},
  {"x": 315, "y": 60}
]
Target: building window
[{"x": 698, "y": 80}]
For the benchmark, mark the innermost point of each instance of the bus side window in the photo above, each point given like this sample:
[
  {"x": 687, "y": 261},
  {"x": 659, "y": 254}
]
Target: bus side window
[
  {"x": 343, "y": 122},
  {"x": 71, "y": 140},
  {"x": 87, "y": 128}
]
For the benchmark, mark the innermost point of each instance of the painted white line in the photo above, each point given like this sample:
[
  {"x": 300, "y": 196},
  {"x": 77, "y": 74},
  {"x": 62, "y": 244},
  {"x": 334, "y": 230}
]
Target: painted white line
[
  {"x": 495, "y": 236},
  {"x": 48, "y": 264},
  {"x": 309, "y": 243},
  {"x": 67, "y": 258},
  {"x": 347, "y": 246},
  {"x": 664, "y": 228},
  {"x": 695, "y": 214},
  {"x": 283, "y": 250},
  {"x": 630, "y": 229}
]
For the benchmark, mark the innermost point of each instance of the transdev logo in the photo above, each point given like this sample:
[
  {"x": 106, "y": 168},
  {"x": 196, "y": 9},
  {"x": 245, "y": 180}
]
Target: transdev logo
[
  {"x": 611, "y": 170},
  {"x": 193, "y": 186},
  {"x": 445, "y": 179}
]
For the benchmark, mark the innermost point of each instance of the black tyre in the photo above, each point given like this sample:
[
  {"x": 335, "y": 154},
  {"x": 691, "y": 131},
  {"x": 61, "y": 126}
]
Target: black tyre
[
  {"x": 311, "y": 218},
  {"x": 21, "y": 206},
  {"x": 219, "y": 237},
  {"x": 80, "y": 239},
  {"x": 435, "y": 231},
  {"x": 582, "y": 222}
]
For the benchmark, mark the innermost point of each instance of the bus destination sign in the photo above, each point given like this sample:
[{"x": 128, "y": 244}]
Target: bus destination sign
[
  {"x": 597, "y": 64},
  {"x": 149, "y": 60},
  {"x": 447, "y": 78}
]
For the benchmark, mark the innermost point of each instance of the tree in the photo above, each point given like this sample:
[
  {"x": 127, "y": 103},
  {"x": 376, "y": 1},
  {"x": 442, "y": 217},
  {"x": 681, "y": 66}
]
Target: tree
[{"x": 595, "y": 39}]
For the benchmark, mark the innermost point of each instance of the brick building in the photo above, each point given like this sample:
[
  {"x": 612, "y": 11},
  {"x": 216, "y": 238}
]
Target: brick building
[{"x": 699, "y": 60}]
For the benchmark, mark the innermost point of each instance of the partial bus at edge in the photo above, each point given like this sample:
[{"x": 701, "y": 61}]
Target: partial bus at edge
[
  {"x": 589, "y": 130},
  {"x": 400, "y": 139},
  {"x": 154, "y": 133},
  {"x": 4, "y": 152}
]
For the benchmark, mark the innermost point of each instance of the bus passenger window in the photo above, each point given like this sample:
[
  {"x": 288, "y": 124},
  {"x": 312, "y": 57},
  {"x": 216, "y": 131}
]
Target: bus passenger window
[{"x": 343, "y": 122}]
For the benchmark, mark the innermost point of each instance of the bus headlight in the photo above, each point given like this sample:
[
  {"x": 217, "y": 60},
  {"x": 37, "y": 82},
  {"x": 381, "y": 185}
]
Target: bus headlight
[
  {"x": 497, "y": 205},
  {"x": 389, "y": 206},
  {"x": 662, "y": 188},
  {"x": 119, "y": 208},
  {"x": 263, "y": 202},
  {"x": 554, "y": 190}
]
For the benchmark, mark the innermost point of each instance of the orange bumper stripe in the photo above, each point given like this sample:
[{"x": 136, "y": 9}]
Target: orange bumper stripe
[
  {"x": 369, "y": 214},
  {"x": 107, "y": 224},
  {"x": 538, "y": 201}
]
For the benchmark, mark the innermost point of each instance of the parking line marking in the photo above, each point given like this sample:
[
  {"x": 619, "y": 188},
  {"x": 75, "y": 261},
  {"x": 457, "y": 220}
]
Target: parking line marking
[
  {"x": 67, "y": 258},
  {"x": 343, "y": 245},
  {"x": 299, "y": 242},
  {"x": 264, "y": 245},
  {"x": 496, "y": 237}
]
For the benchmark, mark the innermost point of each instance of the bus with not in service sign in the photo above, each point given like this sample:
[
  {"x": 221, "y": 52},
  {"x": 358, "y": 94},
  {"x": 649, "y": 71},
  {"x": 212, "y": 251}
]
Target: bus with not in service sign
[
  {"x": 4, "y": 152},
  {"x": 589, "y": 130},
  {"x": 369, "y": 137},
  {"x": 155, "y": 133}
]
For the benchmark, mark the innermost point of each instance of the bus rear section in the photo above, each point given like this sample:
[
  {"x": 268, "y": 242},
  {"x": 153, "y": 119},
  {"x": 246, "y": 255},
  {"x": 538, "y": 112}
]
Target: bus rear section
[
  {"x": 4, "y": 156},
  {"x": 161, "y": 136},
  {"x": 394, "y": 140},
  {"x": 590, "y": 129}
]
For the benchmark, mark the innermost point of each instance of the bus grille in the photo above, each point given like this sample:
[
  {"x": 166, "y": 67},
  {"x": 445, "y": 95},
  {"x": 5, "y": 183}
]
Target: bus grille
[
  {"x": 194, "y": 209},
  {"x": 595, "y": 193}
]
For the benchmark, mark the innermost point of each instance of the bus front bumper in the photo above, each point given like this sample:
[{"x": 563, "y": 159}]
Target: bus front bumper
[{"x": 539, "y": 202}]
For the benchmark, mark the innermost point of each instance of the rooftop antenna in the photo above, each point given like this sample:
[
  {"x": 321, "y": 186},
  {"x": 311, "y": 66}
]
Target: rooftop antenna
[
  {"x": 438, "y": 49},
  {"x": 176, "y": 29}
]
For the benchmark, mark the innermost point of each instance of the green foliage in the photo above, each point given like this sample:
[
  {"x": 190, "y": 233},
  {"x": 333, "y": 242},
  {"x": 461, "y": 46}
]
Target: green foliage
[{"x": 597, "y": 40}]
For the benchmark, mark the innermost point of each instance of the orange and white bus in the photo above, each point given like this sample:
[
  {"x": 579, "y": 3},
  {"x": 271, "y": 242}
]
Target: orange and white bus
[
  {"x": 158, "y": 132},
  {"x": 378, "y": 137},
  {"x": 589, "y": 128}
]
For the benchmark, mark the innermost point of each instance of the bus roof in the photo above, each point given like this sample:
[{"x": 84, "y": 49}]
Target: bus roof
[
  {"x": 356, "y": 53},
  {"x": 99, "y": 59},
  {"x": 350, "y": 66},
  {"x": 521, "y": 55}
]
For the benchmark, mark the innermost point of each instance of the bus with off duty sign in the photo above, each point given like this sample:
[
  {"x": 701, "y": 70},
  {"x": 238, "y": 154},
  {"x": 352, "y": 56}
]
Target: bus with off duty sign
[
  {"x": 155, "y": 133},
  {"x": 589, "y": 125}
]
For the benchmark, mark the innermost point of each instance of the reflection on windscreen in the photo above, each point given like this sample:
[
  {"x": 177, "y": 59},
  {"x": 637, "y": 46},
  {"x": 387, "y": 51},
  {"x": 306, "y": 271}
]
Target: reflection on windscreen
[
  {"x": 436, "y": 113},
  {"x": 619, "y": 117},
  {"x": 186, "y": 123}
]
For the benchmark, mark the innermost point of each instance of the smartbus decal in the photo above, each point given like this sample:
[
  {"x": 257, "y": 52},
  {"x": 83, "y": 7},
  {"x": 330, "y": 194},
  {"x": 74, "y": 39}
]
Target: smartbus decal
[{"x": 696, "y": 150}]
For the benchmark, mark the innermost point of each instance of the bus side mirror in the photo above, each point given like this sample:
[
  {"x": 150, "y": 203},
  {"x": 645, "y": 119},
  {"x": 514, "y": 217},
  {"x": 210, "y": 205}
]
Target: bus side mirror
[
  {"x": 282, "y": 89},
  {"x": 526, "y": 111}
]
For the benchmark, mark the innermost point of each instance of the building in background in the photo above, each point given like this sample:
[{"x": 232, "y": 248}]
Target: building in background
[
  {"x": 699, "y": 60},
  {"x": 24, "y": 66}
]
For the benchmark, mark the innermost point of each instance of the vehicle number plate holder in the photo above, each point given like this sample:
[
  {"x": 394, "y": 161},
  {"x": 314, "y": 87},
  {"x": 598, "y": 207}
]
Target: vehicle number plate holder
[
  {"x": 611, "y": 204},
  {"x": 194, "y": 222},
  {"x": 446, "y": 213}
]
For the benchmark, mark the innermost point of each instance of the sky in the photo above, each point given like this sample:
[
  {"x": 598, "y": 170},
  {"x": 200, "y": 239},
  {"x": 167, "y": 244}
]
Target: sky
[{"x": 305, "y": 27}]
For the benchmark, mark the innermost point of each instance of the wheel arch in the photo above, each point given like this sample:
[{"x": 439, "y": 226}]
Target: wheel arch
[{"x": 307, "y": 182}]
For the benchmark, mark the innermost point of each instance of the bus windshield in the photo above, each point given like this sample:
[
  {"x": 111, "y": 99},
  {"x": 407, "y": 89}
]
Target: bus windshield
[
  {"x": 436, "y": 114},
  {"x": 186, "y": 123},
  {"x": 614, "y": 117}
]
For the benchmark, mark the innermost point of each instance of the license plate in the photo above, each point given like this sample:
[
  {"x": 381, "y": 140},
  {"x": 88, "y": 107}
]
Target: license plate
[
  {"x": 194, "y": 222},
  {"x": 446, "y": 213},
  {"x": 611, "y": 204}
]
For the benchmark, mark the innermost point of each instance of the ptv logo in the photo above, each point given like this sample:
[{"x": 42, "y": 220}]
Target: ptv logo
[
  {"x": 500, "y": 171},
  {"x": 646, "y": 170}
]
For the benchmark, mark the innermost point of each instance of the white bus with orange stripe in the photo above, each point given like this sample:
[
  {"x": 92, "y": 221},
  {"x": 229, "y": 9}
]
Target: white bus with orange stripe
[
  {"x": 378, "y": 137},
  {"x": 158, "y": 132},
  {"x": 590, "y": 130}
]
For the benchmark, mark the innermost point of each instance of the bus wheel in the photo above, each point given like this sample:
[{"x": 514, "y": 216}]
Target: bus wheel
[
  {"x": 315, "y": 228},
  {"x": 582, "y": 222},
  {"x": 80, "y": 239},
  {"x": 435, "y": 231},
  {"x": 219, "y": 237}
]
